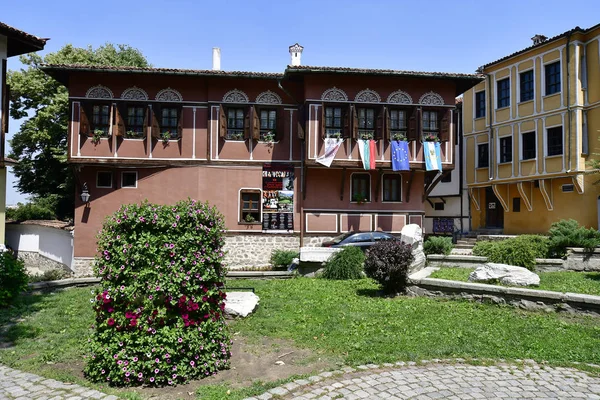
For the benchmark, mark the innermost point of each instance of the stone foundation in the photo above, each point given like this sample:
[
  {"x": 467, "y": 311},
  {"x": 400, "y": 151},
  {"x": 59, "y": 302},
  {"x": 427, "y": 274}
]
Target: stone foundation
[
  {"x": 37, "y": 264},
  {"x": 82, "y": 267}
]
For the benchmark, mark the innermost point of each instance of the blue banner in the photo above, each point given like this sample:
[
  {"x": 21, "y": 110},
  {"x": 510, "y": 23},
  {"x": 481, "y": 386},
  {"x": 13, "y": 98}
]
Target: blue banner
[{"x": 400, "y": 161}]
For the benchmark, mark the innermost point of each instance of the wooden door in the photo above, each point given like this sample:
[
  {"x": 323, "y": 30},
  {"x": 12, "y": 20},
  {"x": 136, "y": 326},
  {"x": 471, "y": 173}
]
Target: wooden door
[{"x": 494, "y": 213}]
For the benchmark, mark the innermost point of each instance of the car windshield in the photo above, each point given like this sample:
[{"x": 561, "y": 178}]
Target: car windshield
[{"x": 341, "y": 237}]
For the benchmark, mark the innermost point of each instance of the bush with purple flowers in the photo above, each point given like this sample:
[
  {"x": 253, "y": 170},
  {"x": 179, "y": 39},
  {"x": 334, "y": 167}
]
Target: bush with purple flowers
[{"x": 159, "y": 307}]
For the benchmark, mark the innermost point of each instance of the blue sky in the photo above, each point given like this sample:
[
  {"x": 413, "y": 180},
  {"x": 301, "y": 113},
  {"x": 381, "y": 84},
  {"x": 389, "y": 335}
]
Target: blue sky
[{"x": 426, "y": 35}]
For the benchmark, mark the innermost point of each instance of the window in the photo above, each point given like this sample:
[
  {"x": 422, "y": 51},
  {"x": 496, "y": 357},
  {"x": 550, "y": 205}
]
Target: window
[
  {"x": 438, "y": 206},
  {"x": 380, "y": 236},
  {"x": 268, "y": 122},
  {"x": 104, "y": 179},
  {"x": 397, "y": 123},
  {"x": 333, "y": 122},
  {"x": 526, "y": 83},
  {"x": 250, "y": 206},
  {"x": 392, "y": 187},
  {"x": 362, "y": 238},
  {"x": 129, "y": 179},
  {"x": 483, "y": 159},
  {"x": 555, "y": 141},
  {"x": 235, "y": 124},
  {"x": 552, "y": 78},
  {"x": 568, "y": 188},
  {"x": 360, "y": 190},
  {"x": 480, "y": 104},
  {"x": 430, "y": 125},
  {"x": 366, "y": 123},
  {"x": 503, "y": 93},
  {"x": 447, "y": 178},
  {"x": 135, "y": 122},
  {"x": 506, "y": 149},
  {"x": 528, "y": 145},
  {"x": 100, "y": 118},
  {"x": 169, "y": 122},
  {"x": 516, "y": 204}
]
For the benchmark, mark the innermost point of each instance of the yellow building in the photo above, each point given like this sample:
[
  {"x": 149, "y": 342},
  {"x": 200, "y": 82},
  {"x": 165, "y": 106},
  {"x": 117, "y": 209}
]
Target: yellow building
[{"x": 530, "y": 130}]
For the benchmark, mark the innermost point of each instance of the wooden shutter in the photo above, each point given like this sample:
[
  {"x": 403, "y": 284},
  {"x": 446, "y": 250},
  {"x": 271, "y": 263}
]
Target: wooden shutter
[
  {"x": 323, "y": 134},
  {"x": 445, "y": 125},
  {"x": 283, "y": 121},
  {"x": 350, "y": 123},
  {"x": 380, "y": 124},
  {"x": 251, "y": 124},
  {"x": 146, "y": 118},
  {"x": 119, "y": 126},
  {"x": 386, "y": 124},
  {"x": 301, "y": 121},
  {"x": 84, "y": 123},
  {"x": 111, "y": 119},
  {"x": 180, "y": 122},
  {"x": 222, "y": 122},
  {"x": 412, "y": 125},
  {"x": 255, "y": 124},
  {"x": 155, "y": 125}
]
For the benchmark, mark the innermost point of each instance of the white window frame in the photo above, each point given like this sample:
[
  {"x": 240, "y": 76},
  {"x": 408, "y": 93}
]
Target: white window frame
[
  {"x": 510, "y": 94},
  {"x": 477, "y": 154},
  {"x": 351, "y": 189},
  {"x": 546, "y": 128},
  {"x": 260, "y": 206},
  {"x": 559, "y": 61},
  {"x": 475, "y": 117},
  {"x": 136, "y": 179},
  {"x": 499, "y": 149},
  {"x": 383, "y": 188},
  {"x": 111, "y": 180},
  {"x": 521, "y": 146},
  {"x": 519, "y": 85}
]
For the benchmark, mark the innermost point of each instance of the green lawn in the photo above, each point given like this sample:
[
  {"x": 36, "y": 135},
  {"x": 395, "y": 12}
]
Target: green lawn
[
  {"x": 560, "y": 281},
  {"x": 345, "y": 320}
]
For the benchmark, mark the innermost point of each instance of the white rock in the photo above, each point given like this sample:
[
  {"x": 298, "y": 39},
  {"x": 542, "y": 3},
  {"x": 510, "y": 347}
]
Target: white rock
[
  {"x": 412, "y": 235},
  {"x": 279, "y": 362},
  {"x": 506, "y": 274},
  {"x": 241, "y": 304},
  {"x": 317, "y": 254}
]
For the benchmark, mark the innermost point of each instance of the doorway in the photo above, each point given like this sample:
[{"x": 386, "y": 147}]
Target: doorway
[{"x": 494, "y": 213}]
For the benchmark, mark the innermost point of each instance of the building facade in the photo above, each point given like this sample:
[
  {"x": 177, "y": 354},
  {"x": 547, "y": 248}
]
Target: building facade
[
  {"x": 13, "y": 42},
  {"x": 530, "y": 130},
  {"x": 253, "y": 145}
]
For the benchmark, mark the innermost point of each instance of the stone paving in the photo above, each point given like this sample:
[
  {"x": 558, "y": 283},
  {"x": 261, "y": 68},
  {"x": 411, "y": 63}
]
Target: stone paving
[
  {"x": 435, "y": 380},
  {"x": 17, "y": 385}
]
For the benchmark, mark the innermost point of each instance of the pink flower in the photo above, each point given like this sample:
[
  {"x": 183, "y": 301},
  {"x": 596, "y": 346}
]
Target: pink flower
[
  {"x": 156, "y": 371},
  {"x": 152, "y": 379},
  {"x": 180, "y": 340},
  {"x": 110, "y": 322},
  {"x": 192, "y": 363}
]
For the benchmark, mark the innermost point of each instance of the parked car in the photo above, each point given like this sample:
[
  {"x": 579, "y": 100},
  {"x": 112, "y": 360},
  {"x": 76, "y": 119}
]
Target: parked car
[{"x": 364, "y": 240}]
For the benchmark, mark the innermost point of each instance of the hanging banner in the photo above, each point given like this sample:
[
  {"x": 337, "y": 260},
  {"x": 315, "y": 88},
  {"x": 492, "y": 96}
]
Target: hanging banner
[
  {"x": 332, "y": 146},
  {"x": 278, "y": 197}
]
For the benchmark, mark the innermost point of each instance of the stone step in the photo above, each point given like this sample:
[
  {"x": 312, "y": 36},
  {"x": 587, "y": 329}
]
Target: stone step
[
  {"x": 463, "y": 246},
  {"x": 466, "y": 241}
]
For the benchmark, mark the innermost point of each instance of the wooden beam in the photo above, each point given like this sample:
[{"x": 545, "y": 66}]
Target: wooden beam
[
  {"x": 410, "y": 181},
  {"x": 430, "y": 202},
  {"x": 578, "y": 182},
  {"x": 434, "y": 183},
  {"x": 343, "y": 183},
  {"x": 378, "y": 185},
  {"x": 303, "y": 183},
  {"x": 547, "y": 195},
  {"x": 474, "y": 200},
  {"x": 523, "y": 193},
  {"x": 503, "y": 201}
]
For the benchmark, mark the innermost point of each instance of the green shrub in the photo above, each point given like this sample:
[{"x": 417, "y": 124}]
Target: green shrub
[
  {"x": 159, "y": 306},
  {"x": 29, "y": 211},
  {"x": 521, "y": 251},
  {"x": 346, "y": 264},
  {"x": 568, "y": 233},
  {"x": 13, "y": 277},
  {"x": 387, "y": 262},
  {"x": 438, "y": 245},
  {"x": 281, "y": 259}
]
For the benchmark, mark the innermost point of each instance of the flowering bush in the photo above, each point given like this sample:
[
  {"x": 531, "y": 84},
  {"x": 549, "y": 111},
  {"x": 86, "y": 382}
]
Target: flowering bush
[{"x": 159, "y": 307}]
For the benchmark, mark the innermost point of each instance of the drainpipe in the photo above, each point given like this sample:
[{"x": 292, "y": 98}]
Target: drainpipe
[
  {"x": 460, "y": 166},
  {"x": 491, "y": 142},
  {"x": 569, "y": 99}
]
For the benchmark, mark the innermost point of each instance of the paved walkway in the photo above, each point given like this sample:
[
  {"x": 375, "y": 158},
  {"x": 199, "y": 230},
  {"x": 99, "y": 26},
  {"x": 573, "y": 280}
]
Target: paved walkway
[
  {"x": 17, "y": 385},
  {"x": 442, "y": 381}
]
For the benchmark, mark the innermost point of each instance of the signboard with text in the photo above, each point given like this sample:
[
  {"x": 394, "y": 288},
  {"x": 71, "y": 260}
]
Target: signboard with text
[{"x": 278, "y": 197}]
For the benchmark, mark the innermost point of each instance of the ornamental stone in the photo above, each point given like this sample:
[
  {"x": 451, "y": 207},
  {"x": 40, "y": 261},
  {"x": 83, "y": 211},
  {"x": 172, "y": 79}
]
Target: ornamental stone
[
  {"x": 235, "y": 96},
  {"x": 134, "y": 93},
  {"x": 169, "y": 94},
  {"x": 268, "y": 97},
  {"x": 399, "y": 97},
  {"x": 367, "y": 96},
  {"x": 99, "y": 92},
  {"x": 431, "y": 99},
  {"x": 334, "y": 94}
]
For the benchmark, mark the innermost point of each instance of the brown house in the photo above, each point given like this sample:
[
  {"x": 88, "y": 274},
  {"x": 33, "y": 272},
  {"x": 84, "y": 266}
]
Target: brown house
[{"x": 253, "y": 144}]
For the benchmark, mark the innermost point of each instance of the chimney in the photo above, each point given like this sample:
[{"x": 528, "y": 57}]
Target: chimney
[
  {"x": 216, "y": 59},
  {"x": 538, "y": 39},
  {"x": 296, "y": 55}
]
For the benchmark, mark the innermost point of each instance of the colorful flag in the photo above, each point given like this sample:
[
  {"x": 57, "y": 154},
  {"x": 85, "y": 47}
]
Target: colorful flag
[
  {"x": 438, "y": 154},
  {"x": 400, "y": 160},
  {"x": 432, "y": 160},
  {"x": 332, "y": 146},
  {"x": 366, "y": 149}
]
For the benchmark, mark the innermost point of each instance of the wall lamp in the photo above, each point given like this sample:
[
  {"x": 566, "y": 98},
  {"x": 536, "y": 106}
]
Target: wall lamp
[{"x": 85, "y": 194}]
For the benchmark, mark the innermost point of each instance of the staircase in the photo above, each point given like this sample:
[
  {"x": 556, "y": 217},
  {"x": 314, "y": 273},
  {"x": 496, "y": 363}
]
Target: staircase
[{"x": 464, "y": 246}]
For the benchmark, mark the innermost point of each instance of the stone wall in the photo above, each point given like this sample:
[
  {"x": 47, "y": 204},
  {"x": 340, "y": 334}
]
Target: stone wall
[
  {"x": 82, "y": 267},
  {"x": 37, "y": 264}
]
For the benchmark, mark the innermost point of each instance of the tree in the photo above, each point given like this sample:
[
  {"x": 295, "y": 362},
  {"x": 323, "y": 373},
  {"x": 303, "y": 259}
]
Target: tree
[{"x": 40, "y": 145}]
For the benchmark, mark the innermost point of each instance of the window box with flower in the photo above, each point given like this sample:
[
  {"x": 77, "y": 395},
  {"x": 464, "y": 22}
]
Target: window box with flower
[
  {"x": 431, "y": 137},
  {"x": 399, "y": 136},
  {"x": 97, "y": 135},
  {"x": 364, "y": 134},
  {"x": 359, "y": 198},
  {"x": 268, "y": 137}
]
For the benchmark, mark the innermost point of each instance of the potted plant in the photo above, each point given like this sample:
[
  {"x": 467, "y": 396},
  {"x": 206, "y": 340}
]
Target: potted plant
[
  {"x": 334, "y": 135},
  {"x": 359, "y": 198},
  {"x": 98, "y": 134},
  {"x": 366, "y": 135},
  {"x": 430, "y": 137},
  {"x": 235, "y": 136},
  {"x": 132, "y": 135},
  {"x": 249, "y": 218},
  {"x": 399, "y": 136},
  {"x": 268, "y": 137},
  {"x": 165, "y": 137}
]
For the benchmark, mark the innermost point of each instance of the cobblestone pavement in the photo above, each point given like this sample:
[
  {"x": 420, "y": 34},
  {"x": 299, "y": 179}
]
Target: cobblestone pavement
[
  {"x": 17, "y": 385},
  {"x": 442, "y": 381}
]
